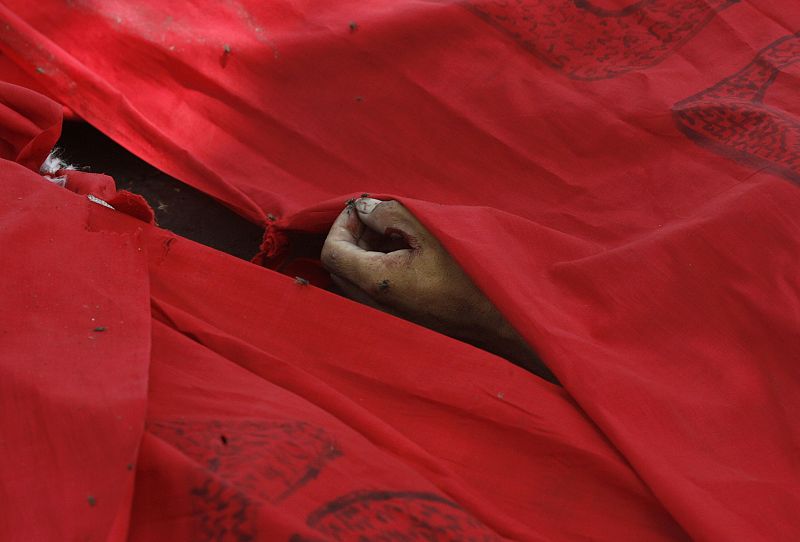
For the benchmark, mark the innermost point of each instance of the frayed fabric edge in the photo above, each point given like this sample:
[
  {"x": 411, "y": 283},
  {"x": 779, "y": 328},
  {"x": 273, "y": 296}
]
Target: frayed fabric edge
[{"x": 52, "y": 165}]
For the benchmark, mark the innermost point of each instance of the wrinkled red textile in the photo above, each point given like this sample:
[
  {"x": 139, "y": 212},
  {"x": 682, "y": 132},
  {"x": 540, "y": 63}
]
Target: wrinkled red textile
[
  {"x": 620, "y": 179},
  {"x": 233, "y": 406}
]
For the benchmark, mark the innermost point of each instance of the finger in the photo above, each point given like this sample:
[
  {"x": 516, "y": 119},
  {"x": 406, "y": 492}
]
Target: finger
[
  {"x": 370, "y": 240},
  {"x": 390, "y": 218},
  {"x": 350, "y": 290},
  {"x": 342, "y": 256},
  {"x": 342, "y": 240},
  {"x": 374, "y": 241},
  {"x": 347, "y": 226}
]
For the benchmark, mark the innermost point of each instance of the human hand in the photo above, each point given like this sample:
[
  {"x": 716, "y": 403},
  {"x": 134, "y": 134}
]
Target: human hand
[{"x": 380, "y": 255}]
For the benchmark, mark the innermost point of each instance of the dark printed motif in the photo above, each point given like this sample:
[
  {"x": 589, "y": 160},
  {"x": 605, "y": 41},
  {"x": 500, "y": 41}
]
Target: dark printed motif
[
  {"x": 242, "y": 464},
  {"x": 733, "y": 120},
  {"x": 585, "y": 41},
  {"x": 395, "y": 516}
]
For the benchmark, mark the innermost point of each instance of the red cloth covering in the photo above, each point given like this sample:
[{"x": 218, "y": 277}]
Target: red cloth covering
[
  {"x": 156, "y": 389},
  {"x": 618, "y": 178}
]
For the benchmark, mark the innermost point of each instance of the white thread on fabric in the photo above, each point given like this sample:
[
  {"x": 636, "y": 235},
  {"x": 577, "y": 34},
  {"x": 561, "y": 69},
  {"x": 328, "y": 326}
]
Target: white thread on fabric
[
  {"x": 59, "y": 181},
  {"x": 98, "y": 201},
  {"x": 52, "y": 165}
]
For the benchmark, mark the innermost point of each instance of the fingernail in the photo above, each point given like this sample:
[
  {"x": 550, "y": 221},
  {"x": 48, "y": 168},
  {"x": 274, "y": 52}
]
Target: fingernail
[{"x": 366, "y": 205}]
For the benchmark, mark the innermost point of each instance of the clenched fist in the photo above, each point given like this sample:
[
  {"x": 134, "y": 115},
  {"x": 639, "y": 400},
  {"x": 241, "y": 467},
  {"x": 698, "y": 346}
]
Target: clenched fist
[{"x": 380, "y": 255}]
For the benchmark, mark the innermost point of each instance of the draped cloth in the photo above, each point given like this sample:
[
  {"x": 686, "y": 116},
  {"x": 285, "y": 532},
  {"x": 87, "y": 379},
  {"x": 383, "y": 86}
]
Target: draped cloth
[{"x": 619, "y": 179}]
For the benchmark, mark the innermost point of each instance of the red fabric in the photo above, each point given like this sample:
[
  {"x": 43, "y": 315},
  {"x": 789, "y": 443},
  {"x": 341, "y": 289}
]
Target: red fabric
[
  {"x": 13, "y": 73},
  {"x": 619, "y": 179},
  {"x": 73, "y": 375},
  {"x": 104, "y": 188},
  {"x": 265, "y": 418}
]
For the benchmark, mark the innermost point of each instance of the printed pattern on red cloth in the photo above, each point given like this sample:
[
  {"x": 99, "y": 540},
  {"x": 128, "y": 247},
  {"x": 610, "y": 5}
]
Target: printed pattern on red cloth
[
  {"x": 250, "y": 460},
  {"x": 732, "y": 119},
  {"x": 396, "y": 515},
  {"x": 585, "y": 41}
]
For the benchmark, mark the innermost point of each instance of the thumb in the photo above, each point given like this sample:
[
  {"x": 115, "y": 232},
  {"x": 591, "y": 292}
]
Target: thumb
[{"x": 389, "y": 218}]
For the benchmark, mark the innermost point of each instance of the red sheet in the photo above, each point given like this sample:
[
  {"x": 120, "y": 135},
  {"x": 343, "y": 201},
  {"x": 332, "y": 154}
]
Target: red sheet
[
  {"x": 235, "y": 406},
  {"x": 619, "y": 179}
]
